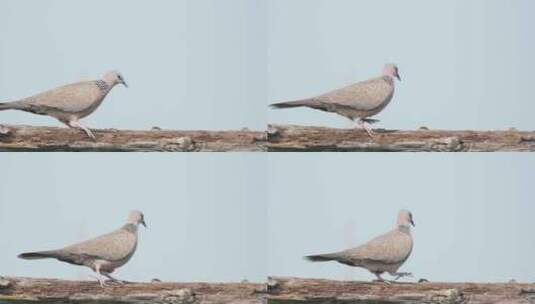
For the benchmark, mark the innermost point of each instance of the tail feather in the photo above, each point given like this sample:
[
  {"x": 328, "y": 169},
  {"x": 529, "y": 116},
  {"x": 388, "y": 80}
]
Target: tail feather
[
  {"x": 9, "y": 106},
  {"x": 294, "y": 104},
  {"x": 38, "y": 255},
  {"x": 323, "y": 257}
]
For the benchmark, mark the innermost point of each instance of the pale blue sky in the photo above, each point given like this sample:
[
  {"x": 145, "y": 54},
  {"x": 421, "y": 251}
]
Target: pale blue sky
[
  {"x": 190, "y": 64},
  {"x": 464, "y": 64},
  {"x": 473, "y": 212},
  {"x": 210, "y": 64},
  {"x": 237, "y": 216},
  {"x": 206, "y": 214}
]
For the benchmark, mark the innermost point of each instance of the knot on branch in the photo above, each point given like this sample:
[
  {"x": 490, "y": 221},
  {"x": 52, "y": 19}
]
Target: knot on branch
[
  {"x": 4, "y": 283},
  {"x": 448, "y": 296},
  {"x": 179, "y": 296},
  {"x": 5, "y": 131},
  {"x": 184, "y": 144}
]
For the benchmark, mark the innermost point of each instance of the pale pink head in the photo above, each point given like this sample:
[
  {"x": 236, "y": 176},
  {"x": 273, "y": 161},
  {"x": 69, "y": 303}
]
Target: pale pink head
[
  {"x": 391, "y": 70},
  {"x": 136, "y": 217},
  {"x": 114, "y": 78},
  {"x": 405, "y": 219}
]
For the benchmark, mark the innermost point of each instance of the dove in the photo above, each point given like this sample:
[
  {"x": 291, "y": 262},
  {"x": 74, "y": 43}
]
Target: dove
[
  {"x": 103, "y": 254},
  {"x": 69, "y": 103},
  {"x": 385, "y": 253},
  {"x": 356, "y": 102}
]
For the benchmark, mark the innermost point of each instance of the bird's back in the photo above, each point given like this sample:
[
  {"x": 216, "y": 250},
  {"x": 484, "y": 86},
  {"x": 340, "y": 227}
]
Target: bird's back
[
  {"x": 114, "y": 246},
  {"x": 370, "y": 95},
  {"x": 393, "y": 247},
  {"x": 72, "y": 98}
]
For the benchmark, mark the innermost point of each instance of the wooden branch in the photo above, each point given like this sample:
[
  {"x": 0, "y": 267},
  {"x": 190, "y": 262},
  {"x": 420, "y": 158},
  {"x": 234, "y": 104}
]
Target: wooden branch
[
  {"x": 22, "y": 290},
  {"x": 292, "y": 290},
  {"x": 26, "y": 138},
  {"x": 276, "y": 291},
  {"x": 315, "y": 139},
  {"x": 276, "y": 139}
]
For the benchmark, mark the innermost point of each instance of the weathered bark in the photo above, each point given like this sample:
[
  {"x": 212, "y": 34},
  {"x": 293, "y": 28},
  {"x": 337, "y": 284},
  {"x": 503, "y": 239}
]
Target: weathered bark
[
  {"x": 315, "y": 139},
  {"x": 276, "y": 139},
  {"x": 277, "y": 291},
  {"x": 19, "y": 290},
  {"x": 293, "y": 290},
  {"x": 45, "y": 139}
]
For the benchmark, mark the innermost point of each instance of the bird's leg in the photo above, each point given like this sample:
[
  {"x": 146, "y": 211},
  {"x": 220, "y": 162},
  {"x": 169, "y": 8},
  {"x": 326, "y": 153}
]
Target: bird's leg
[
  {"x": 400, "y": 275},
  {"x": 99, "y": 277},
  {"x": 75, "y": 124},
  {"x": 362, "y": 123},
  {"x": 380, "y": 279}
]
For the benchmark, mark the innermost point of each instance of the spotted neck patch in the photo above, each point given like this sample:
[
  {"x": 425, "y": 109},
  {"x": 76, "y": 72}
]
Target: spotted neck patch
[{"x": 103, "y": 86}]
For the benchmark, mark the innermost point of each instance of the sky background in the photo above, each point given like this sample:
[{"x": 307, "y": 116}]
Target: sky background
[
  {"x": 464, "y": 64},
  {"x": 211, "y": 64},
  {"x": 230, "y": 217},
  {"x": 189, "y": 64},
  {"x": 473, "y": 213},
  {"x": 206, "y": 214}
]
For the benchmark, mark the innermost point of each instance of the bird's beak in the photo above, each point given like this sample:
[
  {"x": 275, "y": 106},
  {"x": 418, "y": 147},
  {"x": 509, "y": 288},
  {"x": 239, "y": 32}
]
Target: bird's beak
[
  {"x": 144, "y": 224},
  {"x": 412, "y": 223},
  {"x": 398, "y": 77},
  {"x": 124, "y": 83}
]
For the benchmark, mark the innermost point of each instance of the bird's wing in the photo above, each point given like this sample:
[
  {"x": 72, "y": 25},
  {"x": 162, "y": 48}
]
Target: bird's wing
[
  {"x": 114, "y": 246},
  {"x": 71, "y": 98},
  {"x": 363, "y": 96},
  {"x": 390, "y": 248}
]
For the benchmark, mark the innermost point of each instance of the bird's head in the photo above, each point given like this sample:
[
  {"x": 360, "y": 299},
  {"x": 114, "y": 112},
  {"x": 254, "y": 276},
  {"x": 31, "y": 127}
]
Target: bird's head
[
  {"x": 114, "y": 78},
  {"x": 136, "y": 217},
  {"x": 405, "y": 219},
  {"x": 391, "y": 70}
]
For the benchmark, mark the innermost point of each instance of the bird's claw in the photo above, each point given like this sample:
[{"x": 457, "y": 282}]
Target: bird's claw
[
  {"x": 117, "y": 282},
  {"x": 402, "y": 275},
  {"x": 91, "y": 135},
  {"x": 362, "y": 124},
  {"x": 383, "y": 281}
]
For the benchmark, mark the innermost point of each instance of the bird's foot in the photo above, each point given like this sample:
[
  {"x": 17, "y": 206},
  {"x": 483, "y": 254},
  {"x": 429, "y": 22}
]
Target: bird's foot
[
  {"x": 363, "y": 124},
  {"x": 116, "y": 282},
  {"x": 90, "y": 134},
  {"x": 102, "y": 283},
  {"x": 77, "y": 125},
  {"x": 382, "y": 281},
  {"x": 400, "y": 275}
]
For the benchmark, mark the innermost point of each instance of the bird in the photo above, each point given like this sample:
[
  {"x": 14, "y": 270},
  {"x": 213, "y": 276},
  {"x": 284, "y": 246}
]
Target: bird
[
  {"x": 385, "y": 253},
  {"x": 70, "y": 103},
  {"x": 356, "y": 102},
  {"x": 102, "y": 254}
]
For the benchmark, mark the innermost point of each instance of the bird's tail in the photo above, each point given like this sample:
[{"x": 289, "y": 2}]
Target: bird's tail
[
  {"x": 39, "y": 255},
  {"x": 294, "y": 104},
  {"x": 323, "y": 257},
  {"x": 9, "y": 106}
]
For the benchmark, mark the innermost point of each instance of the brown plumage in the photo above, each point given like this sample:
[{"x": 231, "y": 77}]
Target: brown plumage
[
  {"x": 386, "y": 253},
  {"x": 356, "y": 102},
  {"x": 102, "y": 254},
  {"x": 69, "y": 103}
]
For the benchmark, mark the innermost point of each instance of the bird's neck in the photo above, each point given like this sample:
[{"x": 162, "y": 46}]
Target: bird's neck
[
  {"x": 389, "y": 79},
  {"x": 404, "y": 229},
  {"x": 104, "y": 86},
  {"x": 130, "y": 227}
]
